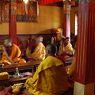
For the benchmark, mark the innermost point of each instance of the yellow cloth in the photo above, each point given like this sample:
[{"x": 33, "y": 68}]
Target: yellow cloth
[
  {"x": 69, "y": 48},
  {"x": 49, "y": 79},
  {"x": 39, "y": 52},
  {"x": 28, "y": 52},
  {"x": 66, "y": 49}
]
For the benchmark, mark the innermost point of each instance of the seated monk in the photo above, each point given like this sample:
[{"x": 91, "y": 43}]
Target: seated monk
[
  {"x": 11, "y": 53},
  {"x": 66, "y": 47},
  {"x": 31, "y": 44},
  {"x": 39, "y": 51},
  {"x": 65, "y": 50},
  {"x": 50, "y": 77}
]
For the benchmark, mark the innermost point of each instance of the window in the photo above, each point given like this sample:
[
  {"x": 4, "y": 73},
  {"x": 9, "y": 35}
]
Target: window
[{"x": 76, "y": 24}]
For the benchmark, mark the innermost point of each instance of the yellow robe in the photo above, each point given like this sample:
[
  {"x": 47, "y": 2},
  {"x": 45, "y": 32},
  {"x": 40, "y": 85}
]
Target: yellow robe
[
  {"x": 38, "y": 54},
  {"x": 49, "y": 79},
  {"x": 14, "y": 55},
  {"x": 66, "y": 49},
  {"x": 69, "y": 48}
]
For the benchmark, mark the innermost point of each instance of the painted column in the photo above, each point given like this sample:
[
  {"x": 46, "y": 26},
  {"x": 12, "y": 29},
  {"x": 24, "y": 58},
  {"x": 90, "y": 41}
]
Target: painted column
[
  {"x": 66, "y": 25},
  {"x": 85, "y": 65},
  {"x": 1, "y": 3},
  {"x": 12, "y": 21}
]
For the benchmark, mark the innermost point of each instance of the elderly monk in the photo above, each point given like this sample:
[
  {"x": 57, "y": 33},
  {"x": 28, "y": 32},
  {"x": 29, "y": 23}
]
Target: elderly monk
[
  {"x": 50, "y": 77},
  {"x": 39, "y": 51},
  {"x": 11, "y": 53}
]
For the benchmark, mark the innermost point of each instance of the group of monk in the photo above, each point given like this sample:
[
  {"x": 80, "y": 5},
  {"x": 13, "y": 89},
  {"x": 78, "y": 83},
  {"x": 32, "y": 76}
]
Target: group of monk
[
  {"x": 50, "y": 77},
  {"x": 11, "y": 53}
]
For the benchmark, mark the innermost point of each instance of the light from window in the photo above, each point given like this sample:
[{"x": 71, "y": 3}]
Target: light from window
[{"x": 76, "y": 24}]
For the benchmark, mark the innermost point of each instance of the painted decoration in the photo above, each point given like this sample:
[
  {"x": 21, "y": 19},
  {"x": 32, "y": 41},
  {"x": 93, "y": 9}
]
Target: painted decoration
[{"x": 24, "y": 13}]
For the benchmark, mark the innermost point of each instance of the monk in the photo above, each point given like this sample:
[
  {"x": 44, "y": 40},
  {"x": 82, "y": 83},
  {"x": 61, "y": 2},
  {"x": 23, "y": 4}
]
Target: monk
[
  {"x": 66, "y": 47},
  {"x": 11, "y": 53},
  {"x": 58, "y": 37},
  {"x": 39, "y": 51},
  {"x": 50, "y": 77}
]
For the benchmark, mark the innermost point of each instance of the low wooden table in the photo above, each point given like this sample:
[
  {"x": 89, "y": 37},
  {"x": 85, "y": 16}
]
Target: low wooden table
[
  {"x": 11, "y": 69},
  {"x": 12, "y": 81},
  {"x": 18, "y": 80}
]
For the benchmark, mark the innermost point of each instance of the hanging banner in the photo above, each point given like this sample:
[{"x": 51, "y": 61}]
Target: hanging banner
[{"x": 27, "y": 13}]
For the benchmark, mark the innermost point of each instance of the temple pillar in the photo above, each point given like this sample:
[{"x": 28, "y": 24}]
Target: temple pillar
[
  {"x": 1, "y": 3},
  {"x": 66, "y": 25},
  {"x": 12, "y": 21},
  {"x": 85, "y": 65}
]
